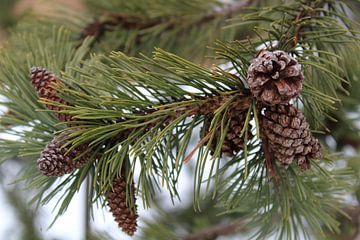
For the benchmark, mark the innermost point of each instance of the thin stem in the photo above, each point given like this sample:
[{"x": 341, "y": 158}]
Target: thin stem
[{"x": 87, "y": 206}]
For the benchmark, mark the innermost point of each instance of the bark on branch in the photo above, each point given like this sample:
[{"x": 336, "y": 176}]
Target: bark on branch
[
  {"x": 126, "y": 21},
  {"x": 216, "y": 231}
]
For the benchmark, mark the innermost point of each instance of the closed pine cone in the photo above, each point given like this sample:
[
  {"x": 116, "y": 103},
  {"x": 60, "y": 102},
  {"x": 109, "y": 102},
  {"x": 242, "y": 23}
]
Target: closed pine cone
[
  {"x": 55, "y": 161},
  {"x": 275, "y": 77},
  {"x": 44, "y": 82},
  {"x": 124, "y": 216},
  {"x": 289, "y": 136},
  {"x": 233, "y": 142}
]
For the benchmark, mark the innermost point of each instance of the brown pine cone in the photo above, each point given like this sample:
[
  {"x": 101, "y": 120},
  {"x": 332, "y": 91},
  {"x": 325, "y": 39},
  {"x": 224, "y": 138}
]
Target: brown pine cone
[
  {"x": 275, "y": 77},
  {"x": 233, "y": 143},
  {"x": 44, "y": 82},
  {"x": 54, "y": 161},
  {"x": 124, "y": 216},
  {"x": 207, "y": 107},
  {"x": 289, "y": 136}
]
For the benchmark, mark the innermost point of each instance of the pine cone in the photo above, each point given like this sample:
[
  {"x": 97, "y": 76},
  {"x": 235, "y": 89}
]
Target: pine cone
[
  {"x": 289, "y": 136},
  {"x": 124, "y": 216},
  {"x": 233, "y": 143},
  {"x": 275, "y": 77},
  {"x": 44, "y": 82},
  {"x": 54, "y": 161}
]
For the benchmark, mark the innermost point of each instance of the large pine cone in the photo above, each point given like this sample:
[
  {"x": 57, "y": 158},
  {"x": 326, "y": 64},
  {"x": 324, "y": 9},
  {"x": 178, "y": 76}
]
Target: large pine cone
[
  {"x": 289, "y": 136},
  {"x": 55, "y": 161},
  {"x": 124, "y": 216},
  {"x": 44, "y": 82},
  {"x": 275, "y": 77}
]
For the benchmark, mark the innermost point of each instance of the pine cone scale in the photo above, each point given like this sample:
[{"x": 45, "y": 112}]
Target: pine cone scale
[
  {"x": 55, "y": 161},
  {"x": 275, "y": 77},
  {"x": 44, "y": 81},
  {"x": 289, "y": 136}
]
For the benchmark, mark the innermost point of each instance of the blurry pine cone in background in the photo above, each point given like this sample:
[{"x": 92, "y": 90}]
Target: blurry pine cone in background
[
  {"x": 289, "y": 136},
  {"x": 124, "y": 216},
  {"x": 55, "y": 161},
  {"x": 275, "y": 77},
  {"x": 44, "y": 81}
]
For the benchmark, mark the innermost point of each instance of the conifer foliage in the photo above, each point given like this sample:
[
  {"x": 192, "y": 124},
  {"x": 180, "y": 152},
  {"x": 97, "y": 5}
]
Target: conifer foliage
[{"x": 251, "y": 126}]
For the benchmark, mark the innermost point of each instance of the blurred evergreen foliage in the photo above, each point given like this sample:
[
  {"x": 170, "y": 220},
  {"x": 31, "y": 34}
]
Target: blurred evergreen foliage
[{"x": 7, "y": 18}]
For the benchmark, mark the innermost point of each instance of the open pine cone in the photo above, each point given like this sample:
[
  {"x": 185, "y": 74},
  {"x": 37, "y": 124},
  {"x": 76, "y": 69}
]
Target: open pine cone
[
  {"x": 275, "y": 77},
  {"x": 289, "y": 136},
  {"x": 55, "y": 160}
]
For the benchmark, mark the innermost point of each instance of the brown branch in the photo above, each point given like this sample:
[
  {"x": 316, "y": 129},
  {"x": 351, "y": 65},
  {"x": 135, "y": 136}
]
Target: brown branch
[
  {"x": 227, "y": 229},
  {"x": 354, "y": 214},
  {"x": 200, "y": 144},
  {"x": 126, "y": 21},
  {"x": 297, "y": 20},
  {"x": 216, "y": 231},
  {"x": 207, "y": 106},
  {"x": 269, "y": 162},
  {"x": 354, "y": 222}
]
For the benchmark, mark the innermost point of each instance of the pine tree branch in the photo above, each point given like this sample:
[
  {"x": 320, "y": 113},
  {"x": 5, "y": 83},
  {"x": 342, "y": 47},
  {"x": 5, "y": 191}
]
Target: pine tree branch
[
  {"x": 354, "y": 214},
  {"x": 216, "y": 231},
  {"x": 126, "y": 21},
  {"x": 206, "y": 106},
  {"x": 350, "y": 224}
]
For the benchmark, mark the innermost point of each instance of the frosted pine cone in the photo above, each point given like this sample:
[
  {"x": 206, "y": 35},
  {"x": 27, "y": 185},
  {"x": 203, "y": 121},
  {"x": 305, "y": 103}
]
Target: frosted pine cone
[
  {"x": 289, "y": 136},
  {"x": 44, "y": 82},
  {"x": 275, "y": 77},
  {"x": 54, "y": 161},
  {"x": 124, "y": 216}
]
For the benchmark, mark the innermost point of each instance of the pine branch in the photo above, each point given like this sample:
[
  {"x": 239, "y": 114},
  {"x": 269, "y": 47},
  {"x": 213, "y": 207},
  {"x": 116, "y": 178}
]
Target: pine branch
[
  {"x": 216, "y": 231},
  {"x": 354, "y": 214},
  {"x": 126, "y": 21}
]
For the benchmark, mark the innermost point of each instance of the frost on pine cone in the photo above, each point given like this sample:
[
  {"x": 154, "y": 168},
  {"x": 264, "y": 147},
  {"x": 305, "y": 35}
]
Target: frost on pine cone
[
  {"x": 275, "y": 77},
  {"x": 55, "y": 161},
  {"x": 124, "y": 216},
  {"x": 44, "y": 82},
  {"x": 289, "y": 136}
]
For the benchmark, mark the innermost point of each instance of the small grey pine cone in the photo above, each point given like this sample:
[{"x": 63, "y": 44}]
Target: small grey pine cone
[
  {"x": 124, "y": 216},
  {"x": 289, "y": 136},
  {"x": 55, "y": 161},
  {"x": 275, "y": 77}
]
